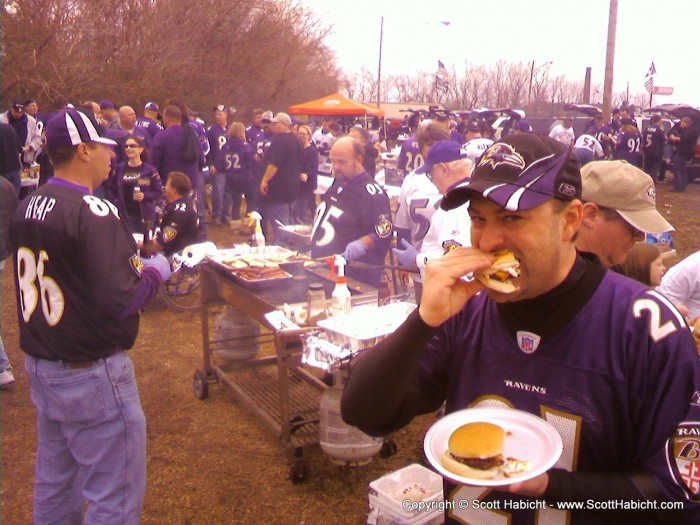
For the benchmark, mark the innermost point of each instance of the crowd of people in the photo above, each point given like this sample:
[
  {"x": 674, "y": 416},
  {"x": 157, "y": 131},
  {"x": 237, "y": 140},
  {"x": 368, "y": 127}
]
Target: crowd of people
[{"x": 611, "y": 356}]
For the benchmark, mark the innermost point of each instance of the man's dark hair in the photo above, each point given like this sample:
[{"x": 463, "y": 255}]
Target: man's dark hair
[
  {"x": 173, "y": 112},
  {"x": 61, "y": 156},
  {"x": 180, "y": 183},
  {"x": 656, "y": 119}
]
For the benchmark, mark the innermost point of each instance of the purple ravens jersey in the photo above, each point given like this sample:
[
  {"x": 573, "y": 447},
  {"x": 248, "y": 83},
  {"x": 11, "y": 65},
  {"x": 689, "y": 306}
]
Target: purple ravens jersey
[
  {"x": 151, "y": 125},
  {"x": 77, "y": 275},
  {"x": 235, "y": 158},
  {"x": 217, "y": 137},
  {"x": 410, "y": 156},
  {"x": 348, "y": 212},
  {"x": 628, "y": 147},
  {"x": 252, "y": 133},
  {"x": 615, "y": 382},
  {"x": 654, "y": 141}
]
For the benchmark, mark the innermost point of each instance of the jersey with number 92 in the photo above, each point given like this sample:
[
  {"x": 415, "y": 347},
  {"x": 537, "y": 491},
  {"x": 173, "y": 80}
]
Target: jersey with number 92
[{"x": 75, "y": 272}]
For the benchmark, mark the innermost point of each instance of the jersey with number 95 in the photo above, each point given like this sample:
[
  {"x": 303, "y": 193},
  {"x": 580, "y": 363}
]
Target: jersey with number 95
[{"x": 348, "y": 212}]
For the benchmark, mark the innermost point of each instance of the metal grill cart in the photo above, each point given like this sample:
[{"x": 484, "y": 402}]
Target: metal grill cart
[{"x": 276, "y": 389}]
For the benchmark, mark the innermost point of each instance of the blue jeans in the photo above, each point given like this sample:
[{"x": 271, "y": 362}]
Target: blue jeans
[
  {"x": 236, "y": 186},
  {"x": 217, "y": 194},
  {"x": 91, "y": 442},
  {"x": 4, "y": 361},
  {"x": 199, "y": 200},
  {"x": 652, "y": 166},
  {"x": 680, "y": 172},
  {"x": 273, "y": 215}
]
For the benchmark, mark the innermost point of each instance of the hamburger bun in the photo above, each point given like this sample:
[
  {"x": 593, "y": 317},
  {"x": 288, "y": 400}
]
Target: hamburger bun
[
  {"x": 696, "y": 328},
  {"x": 499, "y": 275},
  {"x": 478, "y": 443}
]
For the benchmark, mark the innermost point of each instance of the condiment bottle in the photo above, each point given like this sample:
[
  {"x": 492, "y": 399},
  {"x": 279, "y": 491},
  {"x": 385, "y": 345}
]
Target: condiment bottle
[
  {"x": 341, "y": 298},
  {"x": 315, "y": 303}
]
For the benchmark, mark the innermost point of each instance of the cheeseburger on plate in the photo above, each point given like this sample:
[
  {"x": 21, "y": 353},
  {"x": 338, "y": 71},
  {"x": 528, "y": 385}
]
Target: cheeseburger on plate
[{"x": 475, "y": 450}]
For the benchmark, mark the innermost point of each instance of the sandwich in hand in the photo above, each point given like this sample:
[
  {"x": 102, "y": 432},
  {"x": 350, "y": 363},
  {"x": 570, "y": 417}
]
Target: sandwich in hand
[
  {"x": 499, "y": 276},
  {"x": 475, "y": 450}
]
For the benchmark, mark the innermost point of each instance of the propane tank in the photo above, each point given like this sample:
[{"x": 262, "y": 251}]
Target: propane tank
[{"x": 344, "y": 444}]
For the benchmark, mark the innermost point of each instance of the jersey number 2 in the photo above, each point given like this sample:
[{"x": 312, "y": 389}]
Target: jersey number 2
[{"x": 30, "y": 270}]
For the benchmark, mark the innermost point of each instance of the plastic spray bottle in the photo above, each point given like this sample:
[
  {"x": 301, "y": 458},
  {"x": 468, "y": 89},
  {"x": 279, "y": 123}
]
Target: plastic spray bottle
[
  {"x": 340, "y": 298},
  {"x": 258, "y": 238}
]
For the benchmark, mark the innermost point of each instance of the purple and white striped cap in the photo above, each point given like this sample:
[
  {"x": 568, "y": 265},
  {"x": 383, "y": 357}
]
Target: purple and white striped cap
[
  {"x": 520, "y": 172},
  {"x": 71, "y": 127}
]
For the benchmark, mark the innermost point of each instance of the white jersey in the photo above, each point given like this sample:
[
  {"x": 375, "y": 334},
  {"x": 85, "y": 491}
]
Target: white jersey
[
  {"x": 448, "y": 230},
  {"x": 418, "y": 200},
  {"x": 681, "y": 284},
  {"x": 475, "y": 148},
  {"x": 590, "y": 143},
  {"x": 563, "y": 135}
]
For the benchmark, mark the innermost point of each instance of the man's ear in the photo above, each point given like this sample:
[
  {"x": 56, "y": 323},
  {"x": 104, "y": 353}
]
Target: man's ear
[
  {"x": 572, "y": 219},
  {"x": 590, "y": 214},
  {"x": 82, "y": 152}
]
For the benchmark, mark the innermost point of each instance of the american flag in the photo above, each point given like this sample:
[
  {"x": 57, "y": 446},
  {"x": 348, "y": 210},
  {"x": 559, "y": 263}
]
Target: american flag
[
  {"x": 441, "y": 77},
  {"x": 649, "y": 84},
  {"x": 652, "y": 70},
  {"x": 441, "y": 71}
]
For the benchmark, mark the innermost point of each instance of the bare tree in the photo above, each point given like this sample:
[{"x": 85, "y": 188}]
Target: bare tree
[{"x": 243, "y": 52}]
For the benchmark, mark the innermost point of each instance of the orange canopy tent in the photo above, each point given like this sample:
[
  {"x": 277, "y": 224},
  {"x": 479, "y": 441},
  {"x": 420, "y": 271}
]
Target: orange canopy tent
[{"x": 335, "y": 104}]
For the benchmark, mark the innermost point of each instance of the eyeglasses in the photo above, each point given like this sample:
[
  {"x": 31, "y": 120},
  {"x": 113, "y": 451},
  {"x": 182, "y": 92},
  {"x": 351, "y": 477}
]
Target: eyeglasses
[{"x": 131, "y": 146}]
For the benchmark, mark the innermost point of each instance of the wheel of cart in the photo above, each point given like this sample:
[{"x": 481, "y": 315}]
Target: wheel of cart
[
  {"x": 200, "y": 384},
  {"x": 389, "y": 448},
  {"x": 181, "y": 291}
]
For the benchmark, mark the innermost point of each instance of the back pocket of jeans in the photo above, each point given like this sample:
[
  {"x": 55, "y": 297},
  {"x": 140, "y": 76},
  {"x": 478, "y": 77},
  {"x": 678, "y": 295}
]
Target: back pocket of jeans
[{"x": 76, "y": 399}]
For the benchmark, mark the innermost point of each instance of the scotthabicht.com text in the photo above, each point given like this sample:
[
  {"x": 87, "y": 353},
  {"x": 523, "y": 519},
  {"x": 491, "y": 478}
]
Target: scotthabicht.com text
[{"x": 613, "y": 504}]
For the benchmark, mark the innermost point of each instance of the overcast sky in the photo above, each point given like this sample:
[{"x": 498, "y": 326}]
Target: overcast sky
[{"x": 570, "y": 34}]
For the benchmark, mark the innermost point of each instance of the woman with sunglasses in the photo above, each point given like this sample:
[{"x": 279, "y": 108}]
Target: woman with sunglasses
[{"x": 138, "y": 187}]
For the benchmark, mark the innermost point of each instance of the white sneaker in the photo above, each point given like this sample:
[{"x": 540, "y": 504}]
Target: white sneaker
[{"x": 6, "y": 377}]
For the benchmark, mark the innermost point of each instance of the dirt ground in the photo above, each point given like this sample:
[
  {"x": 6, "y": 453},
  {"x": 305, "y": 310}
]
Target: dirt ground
[{"x": 211, "y": 462}]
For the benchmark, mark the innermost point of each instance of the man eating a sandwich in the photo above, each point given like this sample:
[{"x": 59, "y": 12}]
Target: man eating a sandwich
[{"x": 609, "y": 363}]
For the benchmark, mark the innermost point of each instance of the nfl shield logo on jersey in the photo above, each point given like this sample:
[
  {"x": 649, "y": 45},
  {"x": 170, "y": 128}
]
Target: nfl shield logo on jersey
[
  {"x": 527, "y": 341},
  {"x": 686, "y": 451}
]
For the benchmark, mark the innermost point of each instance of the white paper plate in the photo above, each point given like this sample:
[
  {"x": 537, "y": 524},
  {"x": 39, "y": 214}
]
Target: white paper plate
[{"x": 529, "y": 438}]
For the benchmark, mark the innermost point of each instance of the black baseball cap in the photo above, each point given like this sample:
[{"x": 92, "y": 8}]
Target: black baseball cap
[{"x": 520, "y": 172}]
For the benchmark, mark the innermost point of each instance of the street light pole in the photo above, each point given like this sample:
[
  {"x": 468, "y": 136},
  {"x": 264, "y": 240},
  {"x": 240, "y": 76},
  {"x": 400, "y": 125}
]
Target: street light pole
[
  {"x": 534, "y": 71},
  {"x": 379, "y": 68}
]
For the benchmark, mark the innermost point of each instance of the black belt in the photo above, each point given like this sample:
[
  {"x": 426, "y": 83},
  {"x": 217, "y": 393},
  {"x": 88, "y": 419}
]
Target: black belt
[{"x": 80, "y": 364}]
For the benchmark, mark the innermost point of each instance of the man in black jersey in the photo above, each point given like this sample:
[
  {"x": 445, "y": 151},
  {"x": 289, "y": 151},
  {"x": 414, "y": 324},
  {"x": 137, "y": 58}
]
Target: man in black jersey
[
  {"x": 80, "y": 287},
  {"x": 354, "y": 216},
  {"x": 177, "y": 228}
]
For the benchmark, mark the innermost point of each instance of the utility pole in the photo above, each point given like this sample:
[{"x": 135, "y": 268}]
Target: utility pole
[
  {"x": 379, "y": 69},
  {"x": 609, "y": 61}
]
